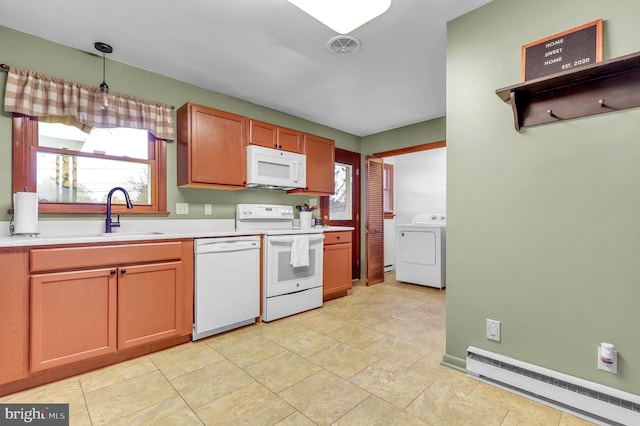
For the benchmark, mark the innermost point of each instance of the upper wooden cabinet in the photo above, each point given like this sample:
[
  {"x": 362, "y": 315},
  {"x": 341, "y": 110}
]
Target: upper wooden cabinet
[
  {"x": 271, "y": 136},
  {"x": 211, "y": 148},
  {"x": 320, "y": 166}
]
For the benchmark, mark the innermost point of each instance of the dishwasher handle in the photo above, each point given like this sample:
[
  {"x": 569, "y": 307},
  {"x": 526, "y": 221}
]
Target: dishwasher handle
[{"x": 226, "y": 246}]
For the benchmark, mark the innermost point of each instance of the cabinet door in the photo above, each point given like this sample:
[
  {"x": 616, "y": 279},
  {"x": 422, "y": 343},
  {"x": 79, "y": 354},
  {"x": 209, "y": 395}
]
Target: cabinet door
[
  {"x": 336, "y": 270},
  {"x": 263, "y": 134},
  {"x": 14, "y": 308},
  {"x": 320, "y": 165},
  {"x": 73, "y": 317},
  {"x": 272, "y": 136},
  {"x": 211, "y": 147},
  {"x": 150, "y": 303},
  {"x": 290, "y": 140}
]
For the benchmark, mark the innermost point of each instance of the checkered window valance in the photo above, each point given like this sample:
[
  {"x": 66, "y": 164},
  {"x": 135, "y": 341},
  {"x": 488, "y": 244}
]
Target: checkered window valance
[{"x": 40, "y": 95}]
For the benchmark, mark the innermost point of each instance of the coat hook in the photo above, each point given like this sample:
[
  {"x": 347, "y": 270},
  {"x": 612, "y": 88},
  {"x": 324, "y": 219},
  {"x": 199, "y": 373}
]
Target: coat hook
[
  {"x": 551, "y": 114},
  {"x": 602, "y": 103}
]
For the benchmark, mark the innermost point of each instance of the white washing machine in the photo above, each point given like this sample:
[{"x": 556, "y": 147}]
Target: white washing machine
[{"x": 420, "y": 250}]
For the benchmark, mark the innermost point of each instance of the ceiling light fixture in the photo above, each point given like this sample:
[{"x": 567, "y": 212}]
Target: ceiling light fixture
[
  {"x": 343, "y": 16},
  {"x": 104, "y": 88}
]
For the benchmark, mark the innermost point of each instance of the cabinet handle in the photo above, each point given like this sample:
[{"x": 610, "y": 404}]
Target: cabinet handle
[
  {"x": 113, "y": 272},
  {"x": 338, "y": 237},
  {"x": 123, "y": 271}
]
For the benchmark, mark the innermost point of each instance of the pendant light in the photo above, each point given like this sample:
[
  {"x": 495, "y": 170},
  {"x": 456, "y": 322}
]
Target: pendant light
[
  {"x": 102, "y": 95},
  {"x": 343, "y": 16}
]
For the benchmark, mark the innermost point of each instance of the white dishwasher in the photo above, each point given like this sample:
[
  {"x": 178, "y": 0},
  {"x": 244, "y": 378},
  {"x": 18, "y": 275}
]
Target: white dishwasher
[{"x": 227, "y": 284}]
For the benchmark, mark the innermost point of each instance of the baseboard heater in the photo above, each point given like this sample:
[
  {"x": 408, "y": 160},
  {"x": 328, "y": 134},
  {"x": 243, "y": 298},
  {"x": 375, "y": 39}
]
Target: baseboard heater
[{"x": 589, "y": 400}]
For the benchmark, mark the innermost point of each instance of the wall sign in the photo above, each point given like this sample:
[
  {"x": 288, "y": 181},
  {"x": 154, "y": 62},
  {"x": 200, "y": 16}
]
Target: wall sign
[{"x": 567, "y": 50}]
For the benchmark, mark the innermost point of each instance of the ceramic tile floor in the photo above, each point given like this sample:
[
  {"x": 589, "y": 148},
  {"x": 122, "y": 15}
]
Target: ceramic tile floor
[{"x": 371, "y": 358}]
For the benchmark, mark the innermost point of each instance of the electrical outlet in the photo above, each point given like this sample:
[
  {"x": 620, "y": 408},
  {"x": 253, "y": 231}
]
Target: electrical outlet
[
  {"x": 313, "y": 202},
  {"x": 493, "y": 330},
  {"x": 182, "y": 208},
  {"x": 207, "y": 209},
  {"x": 607, "y": 358}
]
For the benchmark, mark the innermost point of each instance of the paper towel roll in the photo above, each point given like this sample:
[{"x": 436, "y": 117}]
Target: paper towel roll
[{"x": 25, "y": 213}]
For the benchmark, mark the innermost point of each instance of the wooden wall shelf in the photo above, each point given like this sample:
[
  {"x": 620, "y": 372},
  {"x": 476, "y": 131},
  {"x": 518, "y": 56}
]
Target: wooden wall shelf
[{"x": 606, "y": 86}]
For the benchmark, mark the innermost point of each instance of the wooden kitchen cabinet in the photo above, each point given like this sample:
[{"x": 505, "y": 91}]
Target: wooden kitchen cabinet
[
  {"x": 73, "y": 317},
  {"x": 320, "y": 166},
  {"x": 211, "y": 148},
  {"x": 14, "y": 314},
  {"x": 150, "y": 303},
  {"x": 89, "y": 301},
  {"x": 272, "y": 136},
  {"x": 336, "y": 271}
]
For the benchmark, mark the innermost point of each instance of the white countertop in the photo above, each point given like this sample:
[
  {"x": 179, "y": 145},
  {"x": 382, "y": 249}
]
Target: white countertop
[{"x": 55, "y": 232}]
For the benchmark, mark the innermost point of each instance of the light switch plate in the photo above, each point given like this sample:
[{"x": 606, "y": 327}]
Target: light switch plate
[
  {"x": 207, "y": 209},
  {"x": 182, "y": 208}
]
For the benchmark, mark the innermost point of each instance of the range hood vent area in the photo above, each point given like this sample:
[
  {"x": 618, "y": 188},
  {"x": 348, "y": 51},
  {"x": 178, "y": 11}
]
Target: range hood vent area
[{"x": 585, "y": 399}]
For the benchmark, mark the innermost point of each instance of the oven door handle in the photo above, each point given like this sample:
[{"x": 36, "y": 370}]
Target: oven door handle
[{"x": 288, "y": 239}]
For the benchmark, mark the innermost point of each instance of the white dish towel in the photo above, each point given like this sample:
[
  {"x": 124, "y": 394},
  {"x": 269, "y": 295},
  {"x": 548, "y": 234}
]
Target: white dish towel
[{"x": 300, "y": 251}]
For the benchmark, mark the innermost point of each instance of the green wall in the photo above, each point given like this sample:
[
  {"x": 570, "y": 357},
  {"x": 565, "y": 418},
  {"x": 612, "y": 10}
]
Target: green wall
[
  {"x": 29, "y": 52},
  {"x": 543, "y": 227}
]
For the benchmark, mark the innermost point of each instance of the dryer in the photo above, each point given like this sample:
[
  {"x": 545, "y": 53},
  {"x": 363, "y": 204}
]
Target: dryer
[{"x": 420, "y": 250}]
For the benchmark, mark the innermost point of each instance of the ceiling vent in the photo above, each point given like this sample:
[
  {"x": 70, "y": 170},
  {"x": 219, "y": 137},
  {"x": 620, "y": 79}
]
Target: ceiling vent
[{"x": 343, "y": 45}]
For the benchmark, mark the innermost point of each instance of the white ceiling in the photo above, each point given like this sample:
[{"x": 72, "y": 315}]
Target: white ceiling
[{"x": 268, "y": 52}]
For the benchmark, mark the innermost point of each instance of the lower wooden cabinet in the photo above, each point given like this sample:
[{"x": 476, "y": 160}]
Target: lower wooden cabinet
[
  {"x": 336, "y": 271},
  {"x": 14, "y": 314},
  {"x": 150, "y": 303},
  {"x": 73, "y": 317},
  {"x": 83, "y": 311}
]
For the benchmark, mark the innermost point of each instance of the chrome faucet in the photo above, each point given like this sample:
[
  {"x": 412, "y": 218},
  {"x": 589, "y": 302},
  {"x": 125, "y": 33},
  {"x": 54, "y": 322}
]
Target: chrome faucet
[{"x": 108, "y": 222}]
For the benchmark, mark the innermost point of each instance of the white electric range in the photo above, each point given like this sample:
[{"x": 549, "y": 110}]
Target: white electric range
[{"x": 292, "y": 259}]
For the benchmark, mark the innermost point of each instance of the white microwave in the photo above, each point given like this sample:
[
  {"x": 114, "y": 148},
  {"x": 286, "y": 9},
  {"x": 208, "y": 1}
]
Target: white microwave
[{"x": 275, "y": 169}]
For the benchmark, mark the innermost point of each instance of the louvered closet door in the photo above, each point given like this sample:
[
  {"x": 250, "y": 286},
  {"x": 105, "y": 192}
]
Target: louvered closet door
[{"x": 374, "y": 229}]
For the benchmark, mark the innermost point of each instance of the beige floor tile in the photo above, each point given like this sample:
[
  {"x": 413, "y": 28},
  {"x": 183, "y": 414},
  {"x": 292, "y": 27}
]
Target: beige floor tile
[
  {"x": 185, "y": 358},
  {"x": 251, "y": 350},
  {"x": 398, "y": 350},
  {"x": 251, "y": 405},
  {"x": 173, "y": 411},
  {"x": 321, "y": 322},
  {"x": 344, "y": 360},
  {"x": 570, "y": 420},
  {"x": 127, "y": 397},
  {"x": 282, "y": 370},
  {"x": 356, "y": 335},
  {"x": 231, "y": 337},
  {"x": 457, "y": 380},
  {"x": 80, "y": 419},
  {"x": 306, "y": 342},
  {"x": 429, "y": 364},
  {"x": 323, "y": 397},
  {"x": 214, "y": 381},
  {"x": 429, "y": 338},
  {"x": 391, "y": 382},
  {"x": 67, "y": 391},
  {"x": 442, "y": 404},
  {"x": 116, "y": 373},
  {"x": 373, "y": 411},
  {"x": 277, "y": 329},
  {"x": 408, "y": 315},
  {"x": 296, "y": 419}
]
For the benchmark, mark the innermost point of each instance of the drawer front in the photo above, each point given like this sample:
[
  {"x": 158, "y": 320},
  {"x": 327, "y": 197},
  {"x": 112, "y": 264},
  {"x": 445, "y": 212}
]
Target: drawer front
[
  {"x": 337, "y": 237},
  {"x": 81, "y": 257}
]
